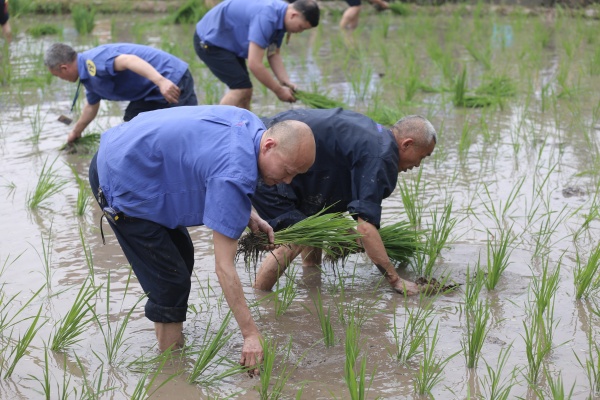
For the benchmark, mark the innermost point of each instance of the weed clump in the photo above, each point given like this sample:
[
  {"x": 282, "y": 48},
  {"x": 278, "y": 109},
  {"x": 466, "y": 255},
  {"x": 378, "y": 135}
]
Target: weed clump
[
  {"x": 189, "y": 13},
  {"x": 43, "y": 30}
]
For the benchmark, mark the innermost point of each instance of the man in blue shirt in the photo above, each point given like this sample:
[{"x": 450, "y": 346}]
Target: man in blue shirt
[
  {"x": 147, "y": 77},
  {"x": 169, "y": 169},
  {"x": 356, "y": 167},
  {"x": 236, "y": 30}
]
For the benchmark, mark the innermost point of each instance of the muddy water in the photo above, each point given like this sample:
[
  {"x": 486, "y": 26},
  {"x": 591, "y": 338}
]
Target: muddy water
[{"x": 533, "y": 161}]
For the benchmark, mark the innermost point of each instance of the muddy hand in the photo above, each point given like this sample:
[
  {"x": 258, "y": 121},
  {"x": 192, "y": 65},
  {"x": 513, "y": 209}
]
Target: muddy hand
[
  {"x": 252, "y": 355},
  {"x": 406, "y": 287}
]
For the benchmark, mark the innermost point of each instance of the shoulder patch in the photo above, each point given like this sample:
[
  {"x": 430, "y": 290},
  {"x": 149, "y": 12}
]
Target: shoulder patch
[{"x": 91, "y": 67}]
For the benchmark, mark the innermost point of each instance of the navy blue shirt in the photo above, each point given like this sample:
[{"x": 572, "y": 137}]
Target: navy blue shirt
[
  {"x": 233, "y": 24},
  {"x": 101, "y": 81},
  {"x": 356, "y": 167},
  {"x": 184, "y": 166}
]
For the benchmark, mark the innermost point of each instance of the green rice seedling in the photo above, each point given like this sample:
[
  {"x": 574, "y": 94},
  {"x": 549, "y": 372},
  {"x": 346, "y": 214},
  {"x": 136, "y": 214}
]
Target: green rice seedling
[
  {"x": 384, "y": 25},
  {"x": 331, "y": 232},
  {"x": 439, "y": 231},
  {"x": 483, "y": 56},
  {"x": 21, "y": 7},
  {"x": 500, "y": 213},
  {"x": 473, "y": 285},
  {"x": 284, "y": 296},
  {"x": 5, "y": 305},
  {"x": 496, "y": 388},
  {"x": 401, "y": 241},
  {"x": 46, "y": 258},
  {"x": 355, "y": 380},
  {"x": 478, "y": 319},
  {"x": 43, "y": 30},
  {"x": 544, "y": 287},
  {"x": 324, "y": 320},
  {"x": 399, "y": 8},
  {"x": 113, "y": 336},
  {"x": 88, "y": 257},
  {"x": 431, "y": 368},
  {"x": 86, "y": 144},
  {"x": 48, "y": 185},
  {"x": 36, "y": 121},
  {"x": 23, "y": 343},
  {"x": 410, "y": 193},
  {"x": 83, "y": 194},
  {"x": 383, "y": 114},
  {"x": 417, "y": 322},
  {"x": 591, "y": 364},
  {"x": 465, "y": 141},
  {"x": 556, "y": 387},
  {"x": 5, "y": 65},
  {"x": 586, "y": 278},
  {"x": 360, "y": 79},
  {"x": 549, "y": 225},
  {"x": 497, "y": 87},
  {"x": 75, "y": 322},
  {"x": 498, "y": 256},
  {"x": 45, "y": 381},
  {"x": 93, "y": 390},
  {"x": 317, "y": 100},
  {"x": 594, "y": 63},
  {"x": 207, "y": 359},
  {"x": 189, "y": 13},
  {"x": 142, "y": 389},
  {"x": 269, "y": 388},
  {"x": 84, "y": 19},
  {"x": 536, "y": 349},
  {"x": 463, "y": 99}
]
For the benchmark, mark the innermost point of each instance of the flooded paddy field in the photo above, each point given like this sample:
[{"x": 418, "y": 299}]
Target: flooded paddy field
[{"x": 512, "y": 185}]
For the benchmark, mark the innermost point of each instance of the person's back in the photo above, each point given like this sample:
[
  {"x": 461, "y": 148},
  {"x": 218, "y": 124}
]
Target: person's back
[{"x": 347, "y": 142}]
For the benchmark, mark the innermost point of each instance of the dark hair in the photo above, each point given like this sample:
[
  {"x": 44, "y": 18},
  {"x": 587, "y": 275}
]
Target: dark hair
[{"x": 309, "y": 9}]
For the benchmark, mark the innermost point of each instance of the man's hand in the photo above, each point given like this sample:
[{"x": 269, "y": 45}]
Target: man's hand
[
  {"x": 252, "y": 354},
  {"x": 286, "y": 94},
  {"x": 291, "y": 85},
  {"x": 169, "y": 90},
  {"x": 406, "y": 287},
  {"x": 256, "y": 224},
  {"x": 73, "y": 136}
]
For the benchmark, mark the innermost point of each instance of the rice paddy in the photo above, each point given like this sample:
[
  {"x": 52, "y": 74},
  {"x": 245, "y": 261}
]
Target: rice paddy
[{"x": 508, "y": 202}]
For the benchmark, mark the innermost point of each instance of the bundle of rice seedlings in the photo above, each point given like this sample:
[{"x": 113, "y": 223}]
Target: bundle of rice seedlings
[
  {"x": 497, "y": 86},
  {"x": 87, "y": 144},
  {"x": 401, "y": 242},
  {"x": 330, "y": 232},
  {"x": 43, "y": 30},
  {"x": 462, "y": 99},
  {"x": 383, "y": 115},
  {"x": 317, "y": 100},
  {"x": 399, "y": 8}
]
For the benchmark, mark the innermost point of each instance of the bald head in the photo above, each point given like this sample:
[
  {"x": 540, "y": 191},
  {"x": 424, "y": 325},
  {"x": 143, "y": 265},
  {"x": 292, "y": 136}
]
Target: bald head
[{"x": 286, "y": 149}]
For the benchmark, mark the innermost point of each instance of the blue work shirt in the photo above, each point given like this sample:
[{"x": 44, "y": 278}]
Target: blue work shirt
[
  {"x": 101, "y": 81},
  {"x": 184, "y": 166},
  {"x": 356, "y": 167},
  {"x": 233, "y": 24}
]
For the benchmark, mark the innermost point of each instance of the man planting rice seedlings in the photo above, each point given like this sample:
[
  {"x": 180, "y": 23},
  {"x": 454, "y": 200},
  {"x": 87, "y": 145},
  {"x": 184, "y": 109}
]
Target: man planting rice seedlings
[{"x": 356, "y": 167}]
